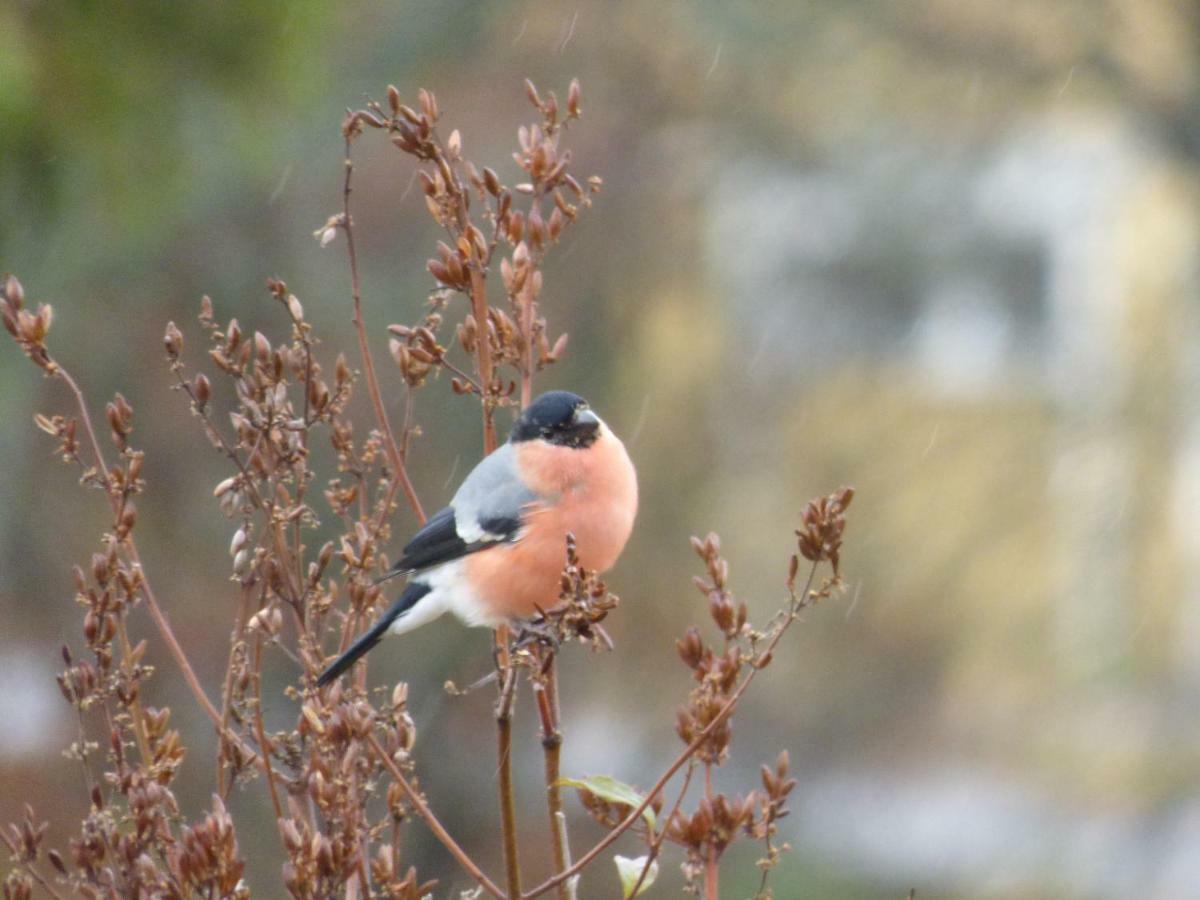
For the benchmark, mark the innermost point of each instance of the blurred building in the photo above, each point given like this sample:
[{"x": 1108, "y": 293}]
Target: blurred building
[{"x": 1052, "y": 275}]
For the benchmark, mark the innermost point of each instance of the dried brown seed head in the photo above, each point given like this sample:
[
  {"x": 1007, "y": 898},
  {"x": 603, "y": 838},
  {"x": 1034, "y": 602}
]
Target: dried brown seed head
[
  {"x": 173, "y": 340},
  {"x": 574, "y": 94}
]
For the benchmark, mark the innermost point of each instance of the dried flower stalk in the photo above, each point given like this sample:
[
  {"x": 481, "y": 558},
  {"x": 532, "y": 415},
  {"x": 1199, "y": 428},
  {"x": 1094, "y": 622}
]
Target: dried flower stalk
[{"x": 342, "y": 780}]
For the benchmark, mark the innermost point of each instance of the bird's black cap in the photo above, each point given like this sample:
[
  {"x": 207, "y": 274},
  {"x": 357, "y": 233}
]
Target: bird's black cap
[{"x": 559, "y": 417}]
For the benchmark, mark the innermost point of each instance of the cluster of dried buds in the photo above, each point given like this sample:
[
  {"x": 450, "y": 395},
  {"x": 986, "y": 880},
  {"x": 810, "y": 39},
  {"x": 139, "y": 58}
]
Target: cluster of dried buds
[
  {"x": 384, "y": 871},
  {"x": 64, "y": 430},
  {"x": 720, "y": 820},
  {"x": 716, "y": 672},
  {"x": 127, "y": 844},
  {"x": 26, "y": 844},
  {"x": 451, "y": 185},
  {"x": 330, "y": 753},
  {"x": 706, "y": 833},
  {"x": 130, "y": 849},
  {"x": 416, "y": 351},
  {"x": 207, "y": 859},
  {"x": 820, "y": 534},
  {"x": 27, "y": 837},
  {"x": 282, "y": 397},
  {"x": 721, "y": 675},
  {"x": 584, "y": 601},
  {"x": 29, "y": 329},
  {"x": 776, "y": 785}
]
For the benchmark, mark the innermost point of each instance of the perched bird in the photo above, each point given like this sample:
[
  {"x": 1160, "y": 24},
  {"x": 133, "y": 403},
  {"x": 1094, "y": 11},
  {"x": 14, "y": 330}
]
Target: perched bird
[{"x": 496, "y": 552}]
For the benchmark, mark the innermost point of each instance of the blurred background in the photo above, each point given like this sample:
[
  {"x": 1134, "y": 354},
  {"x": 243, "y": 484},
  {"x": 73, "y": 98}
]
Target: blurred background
[{"x": 943, "y": 251}]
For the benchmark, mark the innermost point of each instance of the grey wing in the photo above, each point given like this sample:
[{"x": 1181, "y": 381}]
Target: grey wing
[
  {"x": 488, "y": 509},
  {"x": 492, "y": 501}
]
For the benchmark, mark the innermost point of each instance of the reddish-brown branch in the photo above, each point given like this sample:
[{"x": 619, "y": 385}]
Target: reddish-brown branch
[
  {"x": 727, "y": 710},
  {"x": 426, "y": 814},
  {"x": 135, "y": 705},
  {"x": 463, "y": 376},
  {"x": 508, "y": 816},
  {"x": 156, "y": 613},
  {"x": 400, "y": 471},
  {"x": 546, "y": 693},
  {"x": 711, "y": 872},
  {"x": 501, "y": 636},
  {"x": 227, "y": 690},
  {"x": 483, "y": 353},
  {"x": 260, "y": 730},
  {"x": 657, "y": 841},
  {"x": 527, "y": 304}
]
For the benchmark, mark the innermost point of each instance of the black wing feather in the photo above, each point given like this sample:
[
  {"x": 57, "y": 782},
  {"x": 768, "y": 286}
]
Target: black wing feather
[{"x": 438, "y": 540}]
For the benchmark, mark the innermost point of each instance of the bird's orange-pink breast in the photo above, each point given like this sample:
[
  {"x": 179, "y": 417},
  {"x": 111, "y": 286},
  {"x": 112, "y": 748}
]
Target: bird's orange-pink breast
[{"x": 593, "y": 495}]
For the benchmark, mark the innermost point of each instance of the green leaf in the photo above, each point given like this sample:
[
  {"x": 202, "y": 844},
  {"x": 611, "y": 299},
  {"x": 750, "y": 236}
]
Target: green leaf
[
  {"x": 630, "y": 870},
  {"x": 608, "y": 788}
]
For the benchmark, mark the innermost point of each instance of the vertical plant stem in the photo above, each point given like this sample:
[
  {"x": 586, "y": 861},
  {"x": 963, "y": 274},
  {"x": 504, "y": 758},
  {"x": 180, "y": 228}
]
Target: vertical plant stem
[
  {"x": 501, "y": 636},
  {"x": 135, "y": 706},
  {"x": 227, "y": 690},
  {"x": 711, "y": 871},
  {"x": 261, "y": 731},
  {"x": 483, "y": 353},
  {"x": 657, "y": 839},
  {"x": 571, "y": 885},
  {"x": 527, "y": 309},
  {"x": 400, "y": 471},
  {"x": 508, "y": 818},
  {"x": 546, "y": 692}
]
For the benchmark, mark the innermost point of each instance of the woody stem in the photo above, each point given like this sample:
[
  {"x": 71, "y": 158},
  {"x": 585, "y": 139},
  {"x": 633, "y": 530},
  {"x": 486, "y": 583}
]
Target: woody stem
[
  {"x": 710, "y": 863},
  {"x": 400, "y": 471},
  {"x": 551, "y": 733},
  {"x": 501, "y": 636},
  {"x": 508, "y": 819}
]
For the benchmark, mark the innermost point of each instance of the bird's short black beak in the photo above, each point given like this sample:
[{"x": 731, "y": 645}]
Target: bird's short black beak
[{"x": 586, "y": 421}]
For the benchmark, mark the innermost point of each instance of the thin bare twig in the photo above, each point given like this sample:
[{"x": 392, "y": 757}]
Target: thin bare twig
[
  {"x": 711, "y": 872},
  {"x": 439, "y": 830},
  {"x": 483, "y": 354},
  {"x": 657, "y": 842},
  {"x": 227, "y": 690},
  {"x": 260, "y": 730},
  {"x": 393, "y": 451},
  {"x": 135, "y": 703},
  {"x": 546, "y": 693},
  {"x": 508, "y": 822}
]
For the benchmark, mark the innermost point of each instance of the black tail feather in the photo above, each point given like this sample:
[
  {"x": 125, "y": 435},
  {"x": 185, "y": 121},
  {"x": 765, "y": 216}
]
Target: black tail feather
[{"x": 373, "y": 635}]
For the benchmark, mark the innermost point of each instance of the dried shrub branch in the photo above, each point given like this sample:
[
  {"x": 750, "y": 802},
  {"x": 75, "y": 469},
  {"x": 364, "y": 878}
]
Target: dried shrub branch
[{"x": 342, "y": 781}]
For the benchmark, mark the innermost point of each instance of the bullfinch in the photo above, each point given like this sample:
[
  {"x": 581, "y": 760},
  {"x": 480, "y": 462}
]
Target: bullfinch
[{"x": 496, "y": 552}]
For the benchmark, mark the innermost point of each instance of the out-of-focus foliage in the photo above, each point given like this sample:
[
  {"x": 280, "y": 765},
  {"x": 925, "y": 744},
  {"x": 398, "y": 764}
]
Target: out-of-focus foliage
[{"x": 943, "y": 251}]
